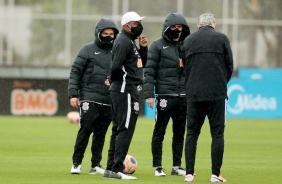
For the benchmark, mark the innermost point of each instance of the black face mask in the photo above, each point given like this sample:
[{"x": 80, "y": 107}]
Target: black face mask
[
  {"x": 174, "y": 33},
  {"x": 106, "y": 39},
  {"x": 137, "y": 30}
]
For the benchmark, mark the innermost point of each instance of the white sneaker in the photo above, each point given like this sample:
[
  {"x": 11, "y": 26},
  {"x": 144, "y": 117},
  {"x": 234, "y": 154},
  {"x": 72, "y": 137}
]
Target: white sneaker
[
  {"x": 215, "y": 178},
  {"x": 189, "y": 178},
  {"x": 121, "y": 175},
  {"x": 126, "y": 177},
  {"x": 76, "y": 169},
  {"x": 97, "y": 170},
  {"x": 159, "y": 171},
  {"x": 178, "y": 172}
]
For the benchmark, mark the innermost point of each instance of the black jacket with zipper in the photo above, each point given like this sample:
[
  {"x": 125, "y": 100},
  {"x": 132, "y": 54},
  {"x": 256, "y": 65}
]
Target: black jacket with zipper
[
  {"x": 126, "y": 73},
  {"x": 163, "y": 72},
  {"x": 91, "y": 67}
]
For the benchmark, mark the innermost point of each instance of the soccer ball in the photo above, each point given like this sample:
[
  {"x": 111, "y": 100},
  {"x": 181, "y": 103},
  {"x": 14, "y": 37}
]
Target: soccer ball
[{"x": 129, "y": 164}]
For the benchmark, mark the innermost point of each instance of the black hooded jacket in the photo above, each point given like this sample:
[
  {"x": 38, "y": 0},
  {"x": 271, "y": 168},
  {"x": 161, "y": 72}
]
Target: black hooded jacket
[
  {"x": 163, "y": 73},
  {"x": 91, "y": 67}
]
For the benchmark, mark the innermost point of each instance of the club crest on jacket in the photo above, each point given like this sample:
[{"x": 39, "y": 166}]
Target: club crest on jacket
[
  {"x": 163, "y": 103},
  {"x": 136, "y": 106},
  {"x": 85, "y": 106}
]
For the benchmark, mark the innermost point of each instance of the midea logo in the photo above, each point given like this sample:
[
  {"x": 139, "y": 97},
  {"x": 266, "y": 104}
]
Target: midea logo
[{"x": 249, "y": 102}]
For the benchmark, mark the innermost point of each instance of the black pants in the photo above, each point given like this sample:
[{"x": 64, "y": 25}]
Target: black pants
[
  {"x": 175, "y": 108},
  {"x": 196, "y": 113},
  {"x": 95, "y": 119},
  {"x": 125, "y": 109}
]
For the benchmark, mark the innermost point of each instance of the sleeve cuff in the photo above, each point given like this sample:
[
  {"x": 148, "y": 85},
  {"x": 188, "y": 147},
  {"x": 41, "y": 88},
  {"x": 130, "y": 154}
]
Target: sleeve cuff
[{"x": 73, "y": 96}]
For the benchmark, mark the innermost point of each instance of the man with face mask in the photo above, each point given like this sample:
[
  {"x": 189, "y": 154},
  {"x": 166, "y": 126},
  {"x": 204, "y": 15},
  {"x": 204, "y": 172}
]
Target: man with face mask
[
  {"x": 88, "y": 92},
  {"x": 164, "y": 79},
  {"x": 126, "y": 83}
]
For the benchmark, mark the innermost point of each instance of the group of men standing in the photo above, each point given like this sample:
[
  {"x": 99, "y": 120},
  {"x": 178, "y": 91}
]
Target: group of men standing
[{"x": 184, "y": 75}]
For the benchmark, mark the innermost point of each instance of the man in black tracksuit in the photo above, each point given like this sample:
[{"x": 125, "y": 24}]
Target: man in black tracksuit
[
  {"x": 208, "y": 69},
  {"x": 164, "y": 78},
  {"x": 88, "y": 92},
  {"x": 126, "y": 80}
]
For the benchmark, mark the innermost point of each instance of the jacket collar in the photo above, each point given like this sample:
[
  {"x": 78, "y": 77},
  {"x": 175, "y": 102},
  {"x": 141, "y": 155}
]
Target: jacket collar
[
  {"x": 128, "y": 35},
  {"x": 207, "y": 26}
]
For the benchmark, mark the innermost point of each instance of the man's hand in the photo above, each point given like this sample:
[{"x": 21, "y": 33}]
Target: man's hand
[
  {"x": 107, "y": 82},
  {"x": 150, "y": 102},
  {"x": 143, "y": 41},
  {"x": 74, "y": 102}
]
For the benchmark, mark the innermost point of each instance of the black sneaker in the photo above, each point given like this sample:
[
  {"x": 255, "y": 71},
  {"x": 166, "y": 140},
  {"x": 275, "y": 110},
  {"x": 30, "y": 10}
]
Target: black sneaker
[
  {"x": 114, "y": 175},
  {"x": 107, "y": 174}
]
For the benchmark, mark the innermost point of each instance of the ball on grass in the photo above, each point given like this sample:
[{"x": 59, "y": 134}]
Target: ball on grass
[
  {"x": 73, "y": 117},
  {"x": 130, "y": 164}
]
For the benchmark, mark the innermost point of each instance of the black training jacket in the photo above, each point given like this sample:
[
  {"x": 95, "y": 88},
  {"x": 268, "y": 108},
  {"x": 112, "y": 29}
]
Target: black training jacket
[
  {"x": 208, "y": 65},
  {"x": 91, "y": 67},
  {"x": 163, "y": 73},
  {"x": 126, "y": 73}
]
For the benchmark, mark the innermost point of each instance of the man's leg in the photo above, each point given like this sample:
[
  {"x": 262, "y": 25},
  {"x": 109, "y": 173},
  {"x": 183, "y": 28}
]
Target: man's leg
[
  {"x": 179, "y": 122},
  {"x": 126, "y": 110},
  {"x": 162, "y": 119},
  {"x": 101, "y": 125},
  {"x": 111, "y": 151},
  {"x": 196, "y": 113},
  {"x": 83, "y": 134},
  {"x": 217, "y": 125}
]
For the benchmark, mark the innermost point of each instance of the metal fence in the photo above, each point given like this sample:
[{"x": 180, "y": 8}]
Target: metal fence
[{"x": 46, "y": 33}]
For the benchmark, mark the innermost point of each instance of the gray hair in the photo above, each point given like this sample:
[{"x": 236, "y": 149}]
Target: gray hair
[{"x": 206, "y": 19}]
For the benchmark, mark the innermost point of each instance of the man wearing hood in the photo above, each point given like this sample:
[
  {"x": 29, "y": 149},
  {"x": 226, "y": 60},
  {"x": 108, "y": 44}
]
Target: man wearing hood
[
  {"x": 88, "y": 92},
  {"x": 164, "y": 79}
]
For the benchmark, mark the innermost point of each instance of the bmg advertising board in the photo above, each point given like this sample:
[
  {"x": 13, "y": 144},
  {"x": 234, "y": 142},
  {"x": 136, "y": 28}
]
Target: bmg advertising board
[{"x": 34, "y": 97}]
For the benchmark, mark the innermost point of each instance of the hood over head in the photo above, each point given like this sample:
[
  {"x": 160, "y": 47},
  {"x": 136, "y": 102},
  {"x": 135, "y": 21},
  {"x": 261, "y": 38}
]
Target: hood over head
[
  {"x": 174, "y": 19},
  {"x": 104, "y": 23}
]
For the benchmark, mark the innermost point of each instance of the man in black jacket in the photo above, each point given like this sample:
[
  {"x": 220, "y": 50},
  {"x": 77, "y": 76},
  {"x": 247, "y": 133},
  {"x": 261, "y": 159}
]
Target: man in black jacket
[
  {"x": 164, "y": 79},
  {"x": 88, "y": 92},
  {"x": 208, "y": 69},
  {"x": 126, "y": 81}
]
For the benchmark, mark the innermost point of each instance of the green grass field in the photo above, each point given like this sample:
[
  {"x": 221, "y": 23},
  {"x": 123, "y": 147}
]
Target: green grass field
[{"x": 37, "y": 150}]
